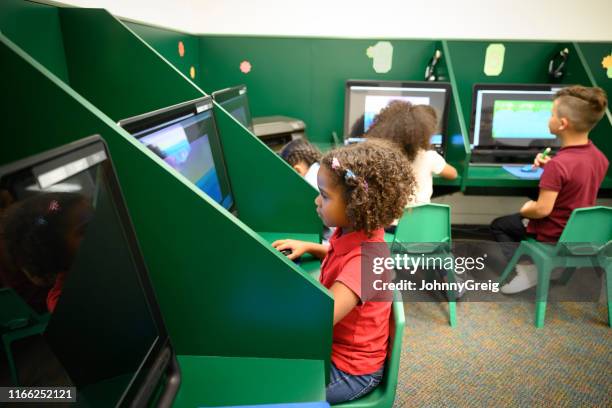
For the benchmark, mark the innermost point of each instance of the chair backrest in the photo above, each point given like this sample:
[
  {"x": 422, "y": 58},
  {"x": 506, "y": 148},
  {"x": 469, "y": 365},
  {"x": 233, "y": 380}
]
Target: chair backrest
[
  {"x": 396, "y": 334},
  {"x": 424, "y": 223},
  {"x": 589, "y": 225}
]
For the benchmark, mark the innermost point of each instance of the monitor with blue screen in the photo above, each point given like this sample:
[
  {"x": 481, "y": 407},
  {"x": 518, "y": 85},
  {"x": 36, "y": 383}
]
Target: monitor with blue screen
[
  {"x": 512, "y": 117},
  {"x": 185, "y": 136}
]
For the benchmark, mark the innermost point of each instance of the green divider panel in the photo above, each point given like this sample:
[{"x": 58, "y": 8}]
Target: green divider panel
[
  {"x": 123, "y": 76},
  {"x": 256, "y": 172},
  {"x": 114, "y": 69},
  {"x": 35, "y": 27},
  {"x": 222, "y": 289},
  {"x": 226, "y": 381},
  {"x": 166, "y": 42},
  {"x": 591, "y": 57},
  {"x": 594, "y": 54}
]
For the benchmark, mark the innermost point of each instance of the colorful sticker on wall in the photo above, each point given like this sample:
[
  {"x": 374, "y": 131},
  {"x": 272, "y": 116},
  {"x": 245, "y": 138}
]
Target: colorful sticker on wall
[
  {"x": 245, "y": 67},
  {"x": 607, "y": 64},
  {"x": 382, "y": 54},
  {"x": 494, "y": 59},
  {"x": 192, "y": 72},
  {"x": 181, "y": 49}
]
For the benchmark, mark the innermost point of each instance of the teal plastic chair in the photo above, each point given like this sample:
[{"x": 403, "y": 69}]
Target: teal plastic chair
[
  {"x": 17, "y": 321},
  {"x": 426, "y": 229},
  {"x": 384, "y": 395},
  {"x": 585, "y": 242}
]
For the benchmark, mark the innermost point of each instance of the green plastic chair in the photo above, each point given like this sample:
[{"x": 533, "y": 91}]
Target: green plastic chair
[
  {"x": 585, "y": 242},
  {"x": 426, "y": 229},
  {"x": 384, "y": 395},
  {"x": 17, "y": 321}
]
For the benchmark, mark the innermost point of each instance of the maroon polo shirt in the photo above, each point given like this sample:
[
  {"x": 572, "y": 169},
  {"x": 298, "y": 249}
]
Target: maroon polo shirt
[{"x": 576, "y": 172}]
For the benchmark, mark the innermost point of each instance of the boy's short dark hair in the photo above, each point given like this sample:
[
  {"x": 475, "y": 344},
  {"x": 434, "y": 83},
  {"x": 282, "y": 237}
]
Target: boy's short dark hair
[
  {"x": 382, "y": 184},
  {"x": 582, "y": 106},
  {"x": 300, "y": 150},
  {"x": 407, "y": 125}
]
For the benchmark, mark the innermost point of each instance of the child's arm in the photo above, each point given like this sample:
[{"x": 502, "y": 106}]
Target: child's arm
[
  {"x": 299, "y": 248},
  {"x": 344, "y": 300},
  {"x": 541, "y": 208},
  {"x": 448, "y": 172}
]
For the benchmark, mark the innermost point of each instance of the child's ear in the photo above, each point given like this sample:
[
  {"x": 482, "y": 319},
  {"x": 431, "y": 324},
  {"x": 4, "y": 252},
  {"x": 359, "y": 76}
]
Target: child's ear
[
  {"x": 564, "y": 124},
  {"x": 301, "y": 168}
]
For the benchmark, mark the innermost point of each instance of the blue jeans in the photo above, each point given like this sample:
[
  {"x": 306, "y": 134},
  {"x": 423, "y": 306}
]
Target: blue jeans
[{"x": 346, "y": 387}]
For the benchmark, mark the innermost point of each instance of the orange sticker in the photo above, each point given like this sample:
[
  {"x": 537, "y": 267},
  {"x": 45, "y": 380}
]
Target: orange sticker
[
  {"x": 245, "y": 67},
  {"x": 181, "y": 49},
  {"x": 192, "y": 72}
]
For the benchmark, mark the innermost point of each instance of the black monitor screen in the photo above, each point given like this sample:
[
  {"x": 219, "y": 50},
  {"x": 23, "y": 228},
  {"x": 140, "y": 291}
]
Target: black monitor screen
[
  {"x": 512, "y": 116},
  {"x": 236, "y": 101},
  {"x": 74, "y": 280},
  {"x": 186, "y": 138},
  {"x": 365, "y": 99}
]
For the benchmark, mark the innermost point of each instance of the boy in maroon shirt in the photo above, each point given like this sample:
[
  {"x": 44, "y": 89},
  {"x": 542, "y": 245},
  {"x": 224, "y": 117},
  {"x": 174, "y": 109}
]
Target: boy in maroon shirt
[{"x": 570, "y": 180}]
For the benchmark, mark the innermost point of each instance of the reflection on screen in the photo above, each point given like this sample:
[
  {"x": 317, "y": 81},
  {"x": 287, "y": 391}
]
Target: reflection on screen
[
  {"x": 186, "y": 146},
  {"x": 70, "y": 279},
  {"x": 521, "y": 119}
]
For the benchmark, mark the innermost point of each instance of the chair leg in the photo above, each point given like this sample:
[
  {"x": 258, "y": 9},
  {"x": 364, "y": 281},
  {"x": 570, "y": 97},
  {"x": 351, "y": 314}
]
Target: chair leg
[
  {"x": 567, "y": 275},
  {"x": 544, "y": 269},
  {"x": 520, "y": 251},
  {"x": 452, "y": 313},
  {"x": 608, "y": 278}
]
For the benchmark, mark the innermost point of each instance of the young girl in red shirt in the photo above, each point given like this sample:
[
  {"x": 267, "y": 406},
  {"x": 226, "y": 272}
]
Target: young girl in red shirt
[{"x": 363, "y": 188}]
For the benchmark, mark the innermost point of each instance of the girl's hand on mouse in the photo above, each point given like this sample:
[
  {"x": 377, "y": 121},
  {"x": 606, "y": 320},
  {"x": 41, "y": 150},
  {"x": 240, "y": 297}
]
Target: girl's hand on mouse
[
  {"x": 298, "y": 248},
  {"x": 541, "y": 160}
]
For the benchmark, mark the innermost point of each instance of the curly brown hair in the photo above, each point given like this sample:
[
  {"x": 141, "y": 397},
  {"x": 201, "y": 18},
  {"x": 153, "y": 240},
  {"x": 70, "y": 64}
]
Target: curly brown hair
[
  {"x": 583, "y": 106},
  {"x": 377, "y": 181},
  {"x": 407, "y": 125},
  {"x": 300, "y": 150}
]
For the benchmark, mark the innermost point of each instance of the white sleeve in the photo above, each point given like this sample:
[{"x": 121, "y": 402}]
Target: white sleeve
[{"x": 435, "y": 161}]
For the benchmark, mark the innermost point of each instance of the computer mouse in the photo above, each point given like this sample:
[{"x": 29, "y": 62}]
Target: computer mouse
[{"x": 528, "y": 169}]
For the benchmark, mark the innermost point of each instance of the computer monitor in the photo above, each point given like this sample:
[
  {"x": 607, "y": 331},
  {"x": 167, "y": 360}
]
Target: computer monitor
[
  {"x": 235, "y": 100},
  {"x": 66, "y": 236},
  {"x": 511, "y": 118},
  {"x": 364, "y": 99},
  {"x": 185, "y": 136}
]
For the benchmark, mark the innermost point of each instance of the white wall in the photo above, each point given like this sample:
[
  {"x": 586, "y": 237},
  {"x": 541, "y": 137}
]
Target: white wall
[{"x": 501, "y": 19}]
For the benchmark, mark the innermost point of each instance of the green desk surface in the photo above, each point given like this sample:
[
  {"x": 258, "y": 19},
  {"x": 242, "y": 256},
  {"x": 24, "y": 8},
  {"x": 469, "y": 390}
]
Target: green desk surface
[
  {"x": 216, "y": 381},
  {"x": 308, "y": 263},
  {"x": 496, "y": 176},
  {"x": 274, "y": 236}
]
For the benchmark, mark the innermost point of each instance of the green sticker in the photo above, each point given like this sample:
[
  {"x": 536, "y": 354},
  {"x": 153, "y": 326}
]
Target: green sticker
[{"x": 494, "y": 59}]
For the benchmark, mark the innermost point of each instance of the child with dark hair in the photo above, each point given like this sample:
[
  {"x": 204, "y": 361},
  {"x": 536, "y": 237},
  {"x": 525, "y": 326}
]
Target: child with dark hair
[
  {"x": 411, "y": 127},
  {"x": 570, "y": 180},
  {"x": 41, "y": 236},
  {"x": 304, "y": 157},
  {"x": 363, "y": 187}
]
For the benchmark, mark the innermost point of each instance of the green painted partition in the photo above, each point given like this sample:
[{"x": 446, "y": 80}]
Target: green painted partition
[
  {"x": 257, "y": 304},
  {"x": 123, "y": 76},
  {"x": 17, "y": 17},
  {"x": 593, "y": 54},
  {"x": 524, "y": 62}
]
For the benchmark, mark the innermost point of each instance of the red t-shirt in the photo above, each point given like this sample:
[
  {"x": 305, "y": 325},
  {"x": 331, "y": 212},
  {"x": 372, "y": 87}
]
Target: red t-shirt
[
  {"x": 576, "y": 172},
  {"x": 360, "y": 339}
]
